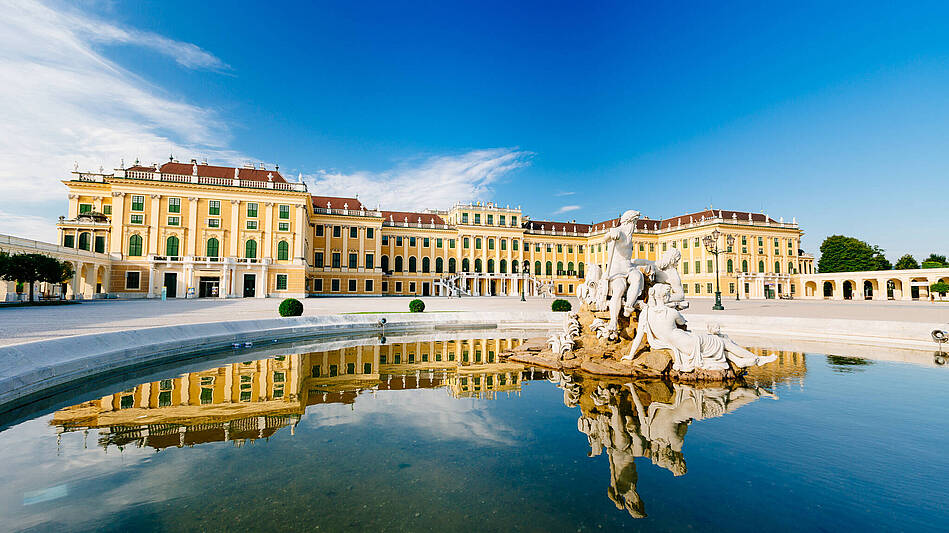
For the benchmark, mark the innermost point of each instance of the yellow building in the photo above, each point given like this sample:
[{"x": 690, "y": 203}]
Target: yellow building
[{"x": 197, "y": 230}]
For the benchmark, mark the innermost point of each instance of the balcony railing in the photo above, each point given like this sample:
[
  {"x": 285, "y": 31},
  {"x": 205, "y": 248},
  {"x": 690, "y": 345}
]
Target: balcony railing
[
  {"x": 347, "y": 212},
  {"x": 199, "y": 180}
]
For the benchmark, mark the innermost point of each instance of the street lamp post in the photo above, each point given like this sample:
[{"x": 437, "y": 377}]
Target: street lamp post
[
  {"x": 711, "y": 246},
  {"x": 523, "y": 281}
]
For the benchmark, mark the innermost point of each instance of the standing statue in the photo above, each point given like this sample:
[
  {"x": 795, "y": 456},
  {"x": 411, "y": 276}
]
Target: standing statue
[
  {"x": 664, "y": 327},
  {"x": 622, "y": 282}
]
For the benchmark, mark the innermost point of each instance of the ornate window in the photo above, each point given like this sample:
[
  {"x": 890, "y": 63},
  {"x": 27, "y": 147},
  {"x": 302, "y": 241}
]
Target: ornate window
[
  {"x": 250, "y": 249},
  {"x": 135, "y": 246},
  {"x": 171, "y": 246},
  {"x": 283, "y": 251},
  {"x": 213, "y": 247}
]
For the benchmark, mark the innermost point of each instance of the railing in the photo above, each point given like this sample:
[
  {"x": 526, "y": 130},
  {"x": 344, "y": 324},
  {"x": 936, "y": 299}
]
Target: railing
[
  {"x": 347, "y": 212},
  {"x": 404, "y": 224},
  {"x": 199, "y": 180},
  {"x": 9, "y": 241}
]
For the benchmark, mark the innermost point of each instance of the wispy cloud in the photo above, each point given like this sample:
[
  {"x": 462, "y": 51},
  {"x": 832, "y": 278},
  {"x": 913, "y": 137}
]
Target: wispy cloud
[
  {"x": 565, "y": 193},
  {"x": 567, "y": 209},
  {"x": 434, "y": 182},
  {"x": 63, "y": 101}
]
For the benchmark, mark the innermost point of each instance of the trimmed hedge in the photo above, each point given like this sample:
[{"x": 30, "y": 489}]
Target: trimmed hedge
[
  {"x": 560, "y": 305},
  {"x": 290, "y": 307},
  {"x": 416, "y": 306}
]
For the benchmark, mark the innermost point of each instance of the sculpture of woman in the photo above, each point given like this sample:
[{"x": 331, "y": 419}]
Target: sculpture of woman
[{"x": 665, "y": 327}]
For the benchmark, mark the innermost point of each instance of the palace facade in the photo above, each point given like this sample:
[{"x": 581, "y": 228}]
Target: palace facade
[{"x": 205, "y": 231}]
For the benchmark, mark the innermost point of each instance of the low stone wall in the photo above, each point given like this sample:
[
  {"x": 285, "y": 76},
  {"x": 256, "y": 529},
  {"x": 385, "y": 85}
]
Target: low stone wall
[
  {"x": 878, "y": 333},
  {"x": 29, "y": 369}
]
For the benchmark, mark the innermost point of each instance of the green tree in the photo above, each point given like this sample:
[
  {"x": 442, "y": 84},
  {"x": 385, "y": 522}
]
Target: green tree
[
  {"x": 935, "y": 261},
  {"x": 940, "y": 287},
  {"x": 907, "y": 262},
  {"x": 32, "y": 268},
  {"x": 840, "y": 253}
]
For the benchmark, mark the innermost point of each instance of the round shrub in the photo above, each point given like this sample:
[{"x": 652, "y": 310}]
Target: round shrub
[
  {"x": 416, "y": 306},
  {"x": 291, "y": 307},
  {"x": 560, "y": 305}
]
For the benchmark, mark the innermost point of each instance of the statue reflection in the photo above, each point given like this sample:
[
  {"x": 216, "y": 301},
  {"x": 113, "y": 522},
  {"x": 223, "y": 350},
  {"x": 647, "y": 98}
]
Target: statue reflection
[{"x": 645, "y": 419}]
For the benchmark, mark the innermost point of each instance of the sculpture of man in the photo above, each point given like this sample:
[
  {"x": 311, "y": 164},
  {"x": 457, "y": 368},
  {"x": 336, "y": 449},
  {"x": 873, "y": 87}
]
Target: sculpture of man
[{"x": 624, "y": 280}]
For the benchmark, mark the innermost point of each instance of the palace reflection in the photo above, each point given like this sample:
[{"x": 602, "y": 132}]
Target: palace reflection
[
  {"x": 252, "y": 400},
  {"x": 650, "y": 418}
]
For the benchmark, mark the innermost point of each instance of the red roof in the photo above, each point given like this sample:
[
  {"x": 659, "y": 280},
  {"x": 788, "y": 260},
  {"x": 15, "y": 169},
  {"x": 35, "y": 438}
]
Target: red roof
[
  {"x": 336, "y": 202},
  {"x": 710, "y": 213},
  {"x": 211, "y": 171},
  {"x": 140, "y": 168},
  {"x": 413, "y": 218},
  {"x": 548, "y": 225}
]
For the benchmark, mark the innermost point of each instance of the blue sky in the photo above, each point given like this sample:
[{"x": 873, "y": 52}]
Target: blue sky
[{"x": 833, "y": 114}]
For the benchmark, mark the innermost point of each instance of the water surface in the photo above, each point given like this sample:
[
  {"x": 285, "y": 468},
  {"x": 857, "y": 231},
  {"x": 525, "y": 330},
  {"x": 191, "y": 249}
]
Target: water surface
[{"x": 445, "y": 436}]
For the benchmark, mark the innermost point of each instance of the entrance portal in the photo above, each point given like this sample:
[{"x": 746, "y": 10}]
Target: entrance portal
[
  {"x": 171, "y": 284},
  {"x": 208, "y": 287},
  {"x": 250, "y": 285},
  {"x": 426, "y": 289}
]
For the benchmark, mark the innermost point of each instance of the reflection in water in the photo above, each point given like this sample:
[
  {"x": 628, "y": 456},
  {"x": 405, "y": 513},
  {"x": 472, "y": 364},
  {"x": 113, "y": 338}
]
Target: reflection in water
[
  {"x": 252, "y": 400},
  {"x": 650, "y": 418}
]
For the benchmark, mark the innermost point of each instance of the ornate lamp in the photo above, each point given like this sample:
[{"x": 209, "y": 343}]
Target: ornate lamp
[{"x": 711, "y": 246}]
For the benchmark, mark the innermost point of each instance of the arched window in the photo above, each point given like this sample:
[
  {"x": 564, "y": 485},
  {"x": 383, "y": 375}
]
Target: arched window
[
  {"x": 398, "y": 263},
  {"x": 413, "y": 264},
  {"x": 250, "y": 249},
  {"x": 385, "y": 263},
  {"x": 84, "y": 240},
  {"x": 283, "y": 251},
  {"x": 744, "y": 265},
  {"x": 790, "y": 267},
  {"x": 477, "y": 265},
  {"x": 451, "y": 265},
  {"x": 171, "y": 246},
  {"x": 580, "y": 269},
  {"x": 537, "y": 268},
  {"x": 212, "y": 247},
  {"x": 514, "y": 267},
  {"x": 426, "y": 264},
  {"x": 760, "y": 266},
  {"x": 777, "y": 267},
  {"x": 465, "y": 265},
  {"x": 490, "y": 266},
  {"x": 729, "y": 266},
  {"x": 570, "y": 267},
  {"x": 550, "y": 268},
  {"x": 502, "y": 266},
  {"x": 135, "y": 246},
  {"x": 439, "y": 265}
]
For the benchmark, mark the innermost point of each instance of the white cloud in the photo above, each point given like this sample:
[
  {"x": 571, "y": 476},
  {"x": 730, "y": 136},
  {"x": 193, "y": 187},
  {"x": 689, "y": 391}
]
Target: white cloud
[
  {"x": 567, "y": 208},
  {"x": 28, "y": 226},
  {"x": 565, "y": 193},
  {"x": 62, "y": 101},
  {"x": 435, "y": 182}
]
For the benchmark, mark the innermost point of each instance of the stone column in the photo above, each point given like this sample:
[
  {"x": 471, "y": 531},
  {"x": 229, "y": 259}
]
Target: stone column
[
  {"x": 267, "y": 250},
  {"x": 192, "y": 225},
  {"x": 235, "y": 230},
  {"x": 154, "y": 214},
  {"x": 299, "y": 232},
  {"x": 118, "y": 223},
  {"x": 77, "y": 282}
]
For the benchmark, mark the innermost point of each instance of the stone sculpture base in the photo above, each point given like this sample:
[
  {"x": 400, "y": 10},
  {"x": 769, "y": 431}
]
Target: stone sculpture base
[{"x": 600, "y": 357}]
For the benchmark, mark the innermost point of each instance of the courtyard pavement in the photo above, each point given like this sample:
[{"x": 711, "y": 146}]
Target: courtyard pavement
[{"x": 26, "y": 324}]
